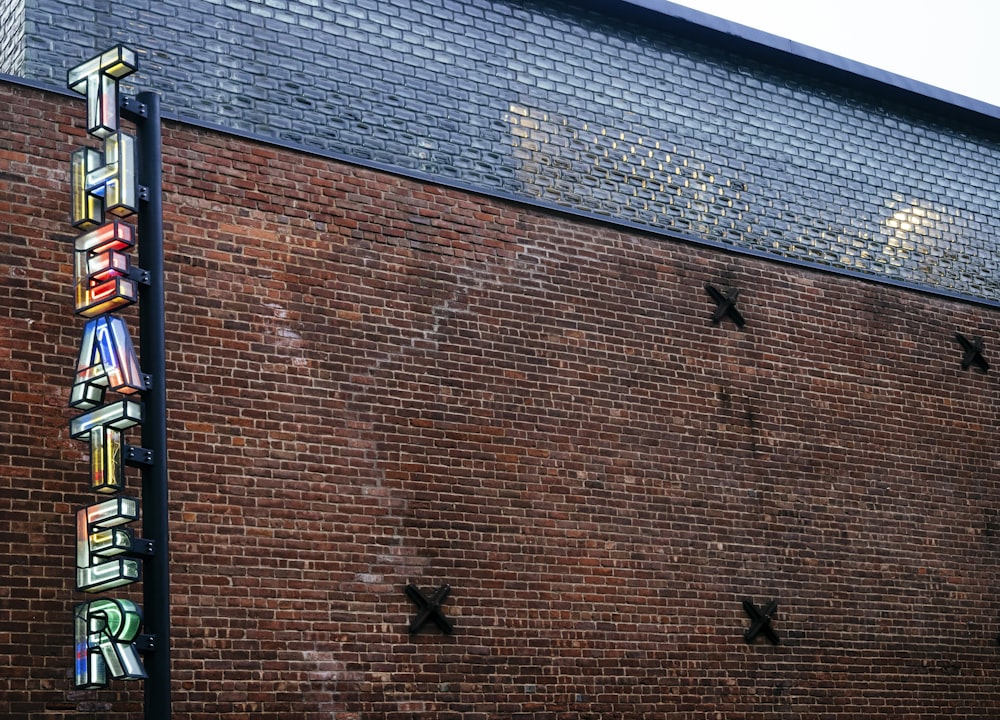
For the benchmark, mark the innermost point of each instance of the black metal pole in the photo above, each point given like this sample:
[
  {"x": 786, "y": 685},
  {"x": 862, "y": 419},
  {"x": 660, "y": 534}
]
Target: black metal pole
[{"x": 152, "y": 349}]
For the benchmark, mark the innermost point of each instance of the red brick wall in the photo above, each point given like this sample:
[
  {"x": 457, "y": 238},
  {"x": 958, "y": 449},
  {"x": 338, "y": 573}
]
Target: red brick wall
[{"x": 376, "y": 382}]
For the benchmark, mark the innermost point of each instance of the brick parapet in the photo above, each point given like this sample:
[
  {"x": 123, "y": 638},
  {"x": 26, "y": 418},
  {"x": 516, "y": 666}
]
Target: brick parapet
[{"x": 639, "y": 121}]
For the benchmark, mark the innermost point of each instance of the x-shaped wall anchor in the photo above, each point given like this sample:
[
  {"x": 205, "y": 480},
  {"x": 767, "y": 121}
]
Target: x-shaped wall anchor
[
  {"x": 760, "y": 621},
  {"x": 429, "y": 608},
  {"x": 725, "y": 305},
  {"x": 973, "y": 352}
]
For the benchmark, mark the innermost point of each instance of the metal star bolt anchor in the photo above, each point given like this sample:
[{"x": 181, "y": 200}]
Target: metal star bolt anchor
[
  {"x": 429, "y": 609},
  {"x": 760, "y": 621}
]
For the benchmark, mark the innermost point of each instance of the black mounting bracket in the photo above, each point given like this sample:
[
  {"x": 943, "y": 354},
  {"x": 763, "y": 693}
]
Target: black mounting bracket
[
  {"x": 132, "y": 108},
  {"x": 137, "y": 456},
  {"x": 142, "y": 548},
  {"x": 146, "y": 643},
  {"x": 139, "y": 275}
]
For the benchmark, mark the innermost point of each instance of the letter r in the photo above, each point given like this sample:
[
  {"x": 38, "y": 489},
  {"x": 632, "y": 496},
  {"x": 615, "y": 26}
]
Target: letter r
[{"x": 104, "y": 632}]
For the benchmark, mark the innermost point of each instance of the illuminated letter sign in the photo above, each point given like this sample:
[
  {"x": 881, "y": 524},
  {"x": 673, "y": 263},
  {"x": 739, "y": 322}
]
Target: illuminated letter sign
[
  {"x": 107, "y": 361},
  {"x": 100, "y": 542},
  {"x": 103, "y": 181},
  {"x": 101, "y": 272},
  {"x": 102, "y": 429},
  {"x": 97, "y": 79},
  {"x": 104, "y": 633}
]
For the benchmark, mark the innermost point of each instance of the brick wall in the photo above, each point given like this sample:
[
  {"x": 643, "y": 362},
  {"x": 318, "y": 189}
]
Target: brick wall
[
  {"x": 583, "y": 107},
  {"x": 12, "y": 36},
  {"x": 376, "y": 381}
]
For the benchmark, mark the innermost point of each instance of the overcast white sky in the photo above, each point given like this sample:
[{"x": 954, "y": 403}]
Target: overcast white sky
[{"x": 954, "y": 45}]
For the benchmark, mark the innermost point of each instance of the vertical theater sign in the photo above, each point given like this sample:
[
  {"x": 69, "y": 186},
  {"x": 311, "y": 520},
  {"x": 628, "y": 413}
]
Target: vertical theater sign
[{"x": 115, "y": 179}]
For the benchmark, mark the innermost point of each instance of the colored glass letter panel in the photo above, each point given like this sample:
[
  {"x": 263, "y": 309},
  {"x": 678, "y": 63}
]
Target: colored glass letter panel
[
  {"x": 107, "y": 464},
  {"x": 102, "y": 428},
  {"x": 101, "y": 272},
  {"x": 107, "y": 361},
  {"x": 104, "y": 631},
  {"x": 103, "y": 182},
  {"x": 100, "y": 541},
  {"x": 98, "y": 78}
]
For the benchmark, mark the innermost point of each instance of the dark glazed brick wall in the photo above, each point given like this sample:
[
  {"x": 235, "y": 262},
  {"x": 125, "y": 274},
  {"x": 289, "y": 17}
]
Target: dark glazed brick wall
[
  {"x": 375, "y": 381},
  {"x": 12, "y": 37},
  {"x": 579, "y": 109}
]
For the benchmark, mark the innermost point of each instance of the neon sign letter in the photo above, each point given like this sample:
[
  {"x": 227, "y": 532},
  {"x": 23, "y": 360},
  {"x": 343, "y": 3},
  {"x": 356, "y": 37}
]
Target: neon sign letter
[
  {"x": 102, "y": 428},
  {"x": 101, "y": 272},
  {"x": 98, "y": 538},
  {"x": 97, "y": 79},
  {"x": 104, "y": 631},
  {"x": 107, "y": 361},
  {"x": 103, "y": 181}
]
